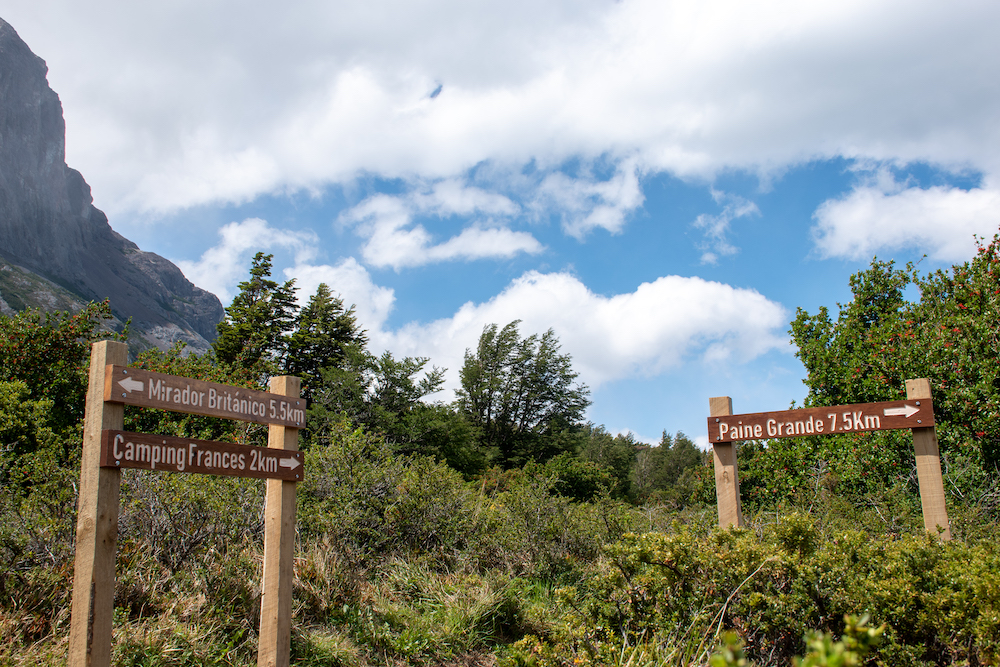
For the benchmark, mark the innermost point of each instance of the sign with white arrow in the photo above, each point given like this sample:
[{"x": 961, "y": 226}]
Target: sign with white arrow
[
  {"x": 834, "y": 420},
  {"x": 137, "y": 386},
  {"x": 145, "y": 451},
  {"x": 906, "y": 411},
  {"x": 130, "y": 385}
]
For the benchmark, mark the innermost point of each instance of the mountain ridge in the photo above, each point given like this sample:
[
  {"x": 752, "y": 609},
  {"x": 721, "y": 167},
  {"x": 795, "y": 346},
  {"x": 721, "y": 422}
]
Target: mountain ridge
[{"x": 50, "y": 227}]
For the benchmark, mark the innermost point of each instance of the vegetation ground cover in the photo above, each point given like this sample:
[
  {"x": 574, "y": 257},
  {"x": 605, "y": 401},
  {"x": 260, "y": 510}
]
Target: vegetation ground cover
[{"x": 502, "y": 529}]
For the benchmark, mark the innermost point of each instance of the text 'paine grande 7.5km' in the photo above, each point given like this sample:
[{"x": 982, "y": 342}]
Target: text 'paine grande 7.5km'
[
  {"x": 135, "y": 386},
  {"x": 860, "y": 417}
]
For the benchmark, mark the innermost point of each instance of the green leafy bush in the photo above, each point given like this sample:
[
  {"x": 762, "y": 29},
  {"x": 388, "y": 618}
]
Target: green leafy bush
[{"x": 938, "y": 601}]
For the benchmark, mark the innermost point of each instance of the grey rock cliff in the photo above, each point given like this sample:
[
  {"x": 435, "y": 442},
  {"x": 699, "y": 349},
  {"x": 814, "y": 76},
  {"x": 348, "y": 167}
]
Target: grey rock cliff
[{"x": 49, "y": 225}]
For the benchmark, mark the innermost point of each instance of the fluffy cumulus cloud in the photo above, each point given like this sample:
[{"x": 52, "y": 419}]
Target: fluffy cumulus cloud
[
  {"x": 586, "y": 203},
  {"x": 657, "y": 327},
  {"x": 392, "y": 239},
  {"x": 238, "y": 100},
  {"x": 221, "y": 267},
  {"x": 886, "y": 215}
]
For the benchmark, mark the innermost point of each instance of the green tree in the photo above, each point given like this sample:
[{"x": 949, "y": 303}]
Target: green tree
[
  {"x": 253, "y": 333},
  {"x": 857, "y": 359},
  {"x": 383, "y": 394},
  {"x": 616, "y": 454},
  {"x": 49, "y": 353},
  {"x": 326, "y": 335},
  {"x": 952, "y": 337},
  {"x": 521, "y": 394},
  {"x": 949, "y": 334},
  {"x": 664, "y": 472}
]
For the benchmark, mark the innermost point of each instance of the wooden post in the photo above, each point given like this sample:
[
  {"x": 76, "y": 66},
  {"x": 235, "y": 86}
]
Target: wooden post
[
  {"x": 727, "y": 481},
  {"x": 925, "y": 447},
  {"x": 97, "y": 521},
  {"x": 274, "y": 648}
]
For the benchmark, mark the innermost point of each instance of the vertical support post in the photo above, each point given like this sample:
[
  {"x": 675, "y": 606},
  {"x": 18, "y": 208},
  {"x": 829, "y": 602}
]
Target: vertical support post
[
  {"x": 925, "y": 447},
  {"x": 727, "y": 481},
  {"x": 97, "y": 520},
  {"x": 274, "y": 649}
]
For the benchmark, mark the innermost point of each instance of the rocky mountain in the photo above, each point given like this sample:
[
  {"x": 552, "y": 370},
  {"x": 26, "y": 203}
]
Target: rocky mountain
[{"x": 54, "y": 244}]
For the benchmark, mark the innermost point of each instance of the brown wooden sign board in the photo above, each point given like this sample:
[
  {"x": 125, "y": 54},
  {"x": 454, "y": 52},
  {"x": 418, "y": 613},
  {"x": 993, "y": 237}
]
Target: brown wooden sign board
[
  {"x": 106, "y": 450},
  {"x": 121, "y": 449},
  {"x": 135, "y": 386},
  {"x": 835, "y": 420}
]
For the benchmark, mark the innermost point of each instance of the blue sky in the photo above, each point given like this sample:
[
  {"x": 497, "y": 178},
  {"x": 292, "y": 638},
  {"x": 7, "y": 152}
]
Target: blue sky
[{"x": 662, "y": 183}]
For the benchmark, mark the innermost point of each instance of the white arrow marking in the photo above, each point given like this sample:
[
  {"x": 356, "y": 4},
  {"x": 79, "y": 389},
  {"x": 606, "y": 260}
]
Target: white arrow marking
[
  {"x": 130, "y": 385},
  {"x": 292, "y": 463},
  {"x": 905, "y": 411}
]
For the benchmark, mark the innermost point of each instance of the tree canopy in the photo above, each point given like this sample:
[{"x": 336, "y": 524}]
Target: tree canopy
[
  {"x": 517, "y": 389},
  {"x": 253, "y": 331},
  {"x": 326, "y": 335},
  {"x": 950, "y": 335}
]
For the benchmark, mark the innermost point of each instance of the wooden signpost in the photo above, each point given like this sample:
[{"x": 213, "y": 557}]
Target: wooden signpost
[
  {"x": 915, "y": 413},
  {"x": 136, "y": 386},
  {"x": 107, "y": 449}
]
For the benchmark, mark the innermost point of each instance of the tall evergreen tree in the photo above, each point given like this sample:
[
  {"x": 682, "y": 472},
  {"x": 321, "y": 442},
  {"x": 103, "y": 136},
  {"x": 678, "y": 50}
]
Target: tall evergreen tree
[
  {"x": 253, "y": 333},
  {"x": 326, "y": 335}
]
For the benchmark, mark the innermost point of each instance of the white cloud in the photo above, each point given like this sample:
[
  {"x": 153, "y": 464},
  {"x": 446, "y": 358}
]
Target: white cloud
[
  {"x": 717, "y": 226},
  {"x": 452, "y": 197},
  {"x": 657, "y": 327},
  {"x": 353, "y": 284},
  {"x": 886, "y": 216},
  {"x": 223, "y": 266},
  {"x": 238, "y": 100},
  {"x": 386, "y": 221},
  {"x": 586, "y": 203}
]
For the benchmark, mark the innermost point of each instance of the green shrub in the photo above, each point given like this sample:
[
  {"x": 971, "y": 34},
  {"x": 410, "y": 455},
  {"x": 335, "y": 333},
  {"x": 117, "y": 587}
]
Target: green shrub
[
  {"x": 939, "y": 601},
  {"x": 368, "y": 503}
]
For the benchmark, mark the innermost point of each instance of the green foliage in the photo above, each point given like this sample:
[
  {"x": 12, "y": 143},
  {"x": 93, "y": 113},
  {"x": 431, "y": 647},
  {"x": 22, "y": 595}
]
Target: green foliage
[
  {"x": 43, "y": 382},
  {"x": 937, "y": 600},
  {"x": 668, "y": 472},
  {"x": 391, "y": 393},
  {"x": 948, "y": 336},
  {"x": 368, "y": 501},
  {"x": 438, "y": 431},
  {"x": 252, "y": 334},
  {"x": 519, "y": 392},
  {"x": 855, "y": 359},
  {"x": 525, "y": 526},
  {"x": 615, "y": 454},
  {"x": 384, "y": 395},
  {"x": 181, "y": 517},
  {"x": 952, "y": 334},
  {"x": 24, "y": 427},
  {"x": 859, "y": 467},
  {"x": 730, "y": 652},
  {"x": 857, "y": 642},
  {"x": 326, "y": 335},
  {"x": 48, "y": 353},
  {"x": 824, "y": 650},
  {"x": 576, "y": 478}
]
